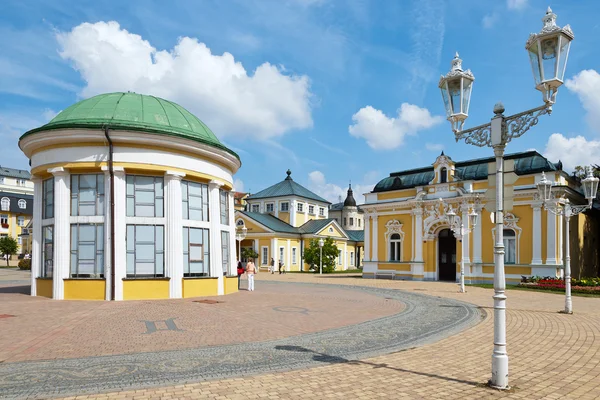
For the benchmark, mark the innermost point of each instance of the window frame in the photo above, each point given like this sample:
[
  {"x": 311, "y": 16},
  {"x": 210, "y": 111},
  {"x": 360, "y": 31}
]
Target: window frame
[
  {"x": 4, "y": 219},
  {"x": 294, "y": 255},
  {"x": 135, "y": 275},
  {"x": 352, "y": 258},
  {"x": 22, "y": 204},
  {"x": 99, "y": 266},
  {"x": 311, "y": 207},
  {"x": 47, "y": 249},
  {"x": 264, "y": 255},
  {"x": 225, "y": 246},
  {"x": 224, "y": 206},
  {"x": 321, "y": 211},
  {"x": 351, "y": 221},
  {"x": 189, "y": 201},
  {"x": 507, "y": 239},
  {"x": 187, "y": 254},
  {"x": 300, "y": 207},
  {"x": 99, "y": 195},
  {"x": 134, "y": 196},
  {"x": 340, "y": 257},
  {"x": 395, "y": 248},
  {"x": 47, "y": 204},
  {"x": 5, "y": 204},
  {"x": 255, "y": 206},
  {"x": 271, "y": 206},
  {"x": 287, "y": 206},
  {"x": 22, "y": 219}
]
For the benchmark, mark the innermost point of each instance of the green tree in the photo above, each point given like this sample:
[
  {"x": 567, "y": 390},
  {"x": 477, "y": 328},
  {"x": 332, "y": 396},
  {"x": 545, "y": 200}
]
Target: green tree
[
  {"x": 8, "y": 247},
  {"x": 248, "y": 252},
  {"x": 312, "y": 255}
]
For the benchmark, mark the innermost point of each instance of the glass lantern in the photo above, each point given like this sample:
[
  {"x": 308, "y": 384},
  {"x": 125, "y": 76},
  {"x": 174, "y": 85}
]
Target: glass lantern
[
  {"x": 544, "y": 187},
  {"x": 473, "y": 217},
  {"x": 548, "y": 53},
  {"x": 456, "y": 87},
  {"x": 590, "y": 186}
]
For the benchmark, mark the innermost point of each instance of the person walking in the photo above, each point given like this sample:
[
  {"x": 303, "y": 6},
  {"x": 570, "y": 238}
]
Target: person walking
[
  {"x": 250, "y": 271},
  {"x": 280, "y": 265},
  {"x": 272, "y": 266},
  {"x": 240, "y": 272}
]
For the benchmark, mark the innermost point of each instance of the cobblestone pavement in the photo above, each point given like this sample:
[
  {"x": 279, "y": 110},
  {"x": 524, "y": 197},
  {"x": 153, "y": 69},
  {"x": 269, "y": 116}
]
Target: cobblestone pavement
[
  {"x": 552, "y": 356},
  {"x": 424, "y": 319}
]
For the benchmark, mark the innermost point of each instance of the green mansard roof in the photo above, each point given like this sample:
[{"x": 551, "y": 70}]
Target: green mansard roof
[
  {"x": 134, "y": 112},
  {"x": 530, "y": 162},
  {"x": 287, "y": 187}
]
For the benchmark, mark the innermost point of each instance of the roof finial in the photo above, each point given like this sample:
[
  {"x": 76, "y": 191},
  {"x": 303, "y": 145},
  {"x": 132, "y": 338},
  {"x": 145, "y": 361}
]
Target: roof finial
[
  {"x": 289, "y": 175},
  {"x": 549, "y": 10},
  {"x": 442, "y": 153}
]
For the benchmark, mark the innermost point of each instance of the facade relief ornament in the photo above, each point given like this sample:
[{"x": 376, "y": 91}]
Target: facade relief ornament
[{"x": 393, "y": 226}]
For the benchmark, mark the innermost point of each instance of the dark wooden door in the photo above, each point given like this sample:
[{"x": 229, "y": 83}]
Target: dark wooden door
[{"x": 447, "y": 255}]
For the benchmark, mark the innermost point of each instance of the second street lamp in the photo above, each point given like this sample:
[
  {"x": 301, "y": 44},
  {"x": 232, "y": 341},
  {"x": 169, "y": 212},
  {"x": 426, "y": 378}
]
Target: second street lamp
[
  {"x": 563, "y": 207},
  {"x": 548, "y": 52},
  {"x": 321, "y": 243},
  {"x": 460, "y": 231}
]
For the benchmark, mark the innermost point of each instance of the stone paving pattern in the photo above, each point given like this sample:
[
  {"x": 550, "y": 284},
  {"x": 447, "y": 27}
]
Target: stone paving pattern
[{"x": 552, "y": 356}]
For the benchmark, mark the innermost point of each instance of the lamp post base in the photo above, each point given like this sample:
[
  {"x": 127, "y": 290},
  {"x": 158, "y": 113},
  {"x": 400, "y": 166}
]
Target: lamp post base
[{"x": 499, "y": 379}]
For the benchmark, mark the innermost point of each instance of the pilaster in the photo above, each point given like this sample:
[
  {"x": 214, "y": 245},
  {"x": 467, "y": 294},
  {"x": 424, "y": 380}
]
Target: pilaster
[
  {"x": 62, "y": 234},
  {"x": 464, "y": 208},
  {"x": 374, "y": 256},
  {"x": 120, "y": 231},
  {"x": 477, "y": 236},
  {"x": 232, "y": 267},
  {"x": 36, "y": 243},
  {"x": 107, "y": 235},
  {"x": 537, "y": 233},
  {"x": 216, "y": 259},
  {"x": 367, "y": 250},
  {"x": 174, "y": 253},
  {"x": 293, "y": 205},
  {"x": 551, "y": 239}
]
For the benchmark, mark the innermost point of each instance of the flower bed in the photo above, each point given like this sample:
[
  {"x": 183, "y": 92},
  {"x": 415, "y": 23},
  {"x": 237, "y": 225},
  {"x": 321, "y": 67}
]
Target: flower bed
[{"x": 585, "y": 285}]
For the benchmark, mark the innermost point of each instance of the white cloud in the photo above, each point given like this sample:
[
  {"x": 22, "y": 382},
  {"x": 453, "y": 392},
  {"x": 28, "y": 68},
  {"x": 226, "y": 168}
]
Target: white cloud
[
  {"x": 382, "y": 132},
  {"x": 434, "y": 146},
  {"x": 586, "y": 85},
  {"x": 332, "y": 192},
  {"x": 48, "y": 114},
  {"x": 232, "y": 102},
  {"x": 238, "y": 185},
  {"x": 489, "y": 20},
  {"x": 572, "y": 151},
  {"x": 516, "y": 4}
]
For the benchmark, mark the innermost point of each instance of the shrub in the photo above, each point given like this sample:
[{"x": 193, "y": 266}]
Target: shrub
[{"x": 25, "y": 264}]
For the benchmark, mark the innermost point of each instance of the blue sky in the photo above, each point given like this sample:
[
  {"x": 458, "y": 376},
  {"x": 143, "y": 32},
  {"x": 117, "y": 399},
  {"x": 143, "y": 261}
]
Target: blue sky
[{"x": 334, "y": 90}]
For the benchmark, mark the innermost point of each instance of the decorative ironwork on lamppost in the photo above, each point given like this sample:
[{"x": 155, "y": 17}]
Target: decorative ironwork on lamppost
[
  {"x": 240, "y": 234},
  {"x": 460, "y": 231},
  {"x": 321, "y": 243},
  {"x": 550, "y": 66},
  {"x": 563, "y": 207}
]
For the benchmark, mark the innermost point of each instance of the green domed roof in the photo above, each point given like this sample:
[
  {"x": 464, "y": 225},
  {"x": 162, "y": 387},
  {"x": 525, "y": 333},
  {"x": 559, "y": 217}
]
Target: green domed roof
[{"x": 136, "y": 112}]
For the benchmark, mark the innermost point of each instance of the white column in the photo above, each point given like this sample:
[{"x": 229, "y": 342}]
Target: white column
[
  {"x": 288, "y": 263},
  {"x": 551, "y": 239},
  {"x": 120, "y": 231},
  {"x": 174, "y": 245},
  {"x": 418, "y": 212},
  {"x": 232, "y": 267},
  {"x": 559, "y": 242},
  {"x": 62, "y": 231},
  {"x": 345, "y": 255},
  {"x": 107, "y": 235},
  {"x": 375, "y": 234},
  {"x": 537, "y": 233},
  {"x": 477, "y": 237},
  {"x": 36, "y": 242},
  {"x": 466, "y": 259},
  {"x": 367, "y": 249},
  {"x": 274, "y": 253},
  {"x": 216, "y": 260},
  {"x": 293, "y": 210}
]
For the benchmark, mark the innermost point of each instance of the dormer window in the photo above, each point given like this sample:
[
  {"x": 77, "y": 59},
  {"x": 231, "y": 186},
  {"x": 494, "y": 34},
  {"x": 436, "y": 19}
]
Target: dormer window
[{"x": 443, "y": 175}]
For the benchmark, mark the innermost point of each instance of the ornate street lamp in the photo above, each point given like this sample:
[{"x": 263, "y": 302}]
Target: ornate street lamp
[
  {"x": 321, "y": 243},
  {"x": 497, "y": 134},
  {"x": 456, "y": 88},
  {"x": 563, "y": 208},
  {"x": 548, "y": 52},
  {"x": 240, "y": 235},
  {"x": 460, "y": 230}
]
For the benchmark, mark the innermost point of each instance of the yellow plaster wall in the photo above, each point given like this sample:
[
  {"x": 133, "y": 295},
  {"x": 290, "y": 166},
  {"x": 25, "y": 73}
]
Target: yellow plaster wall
[
  {"x": 85, "y": 289},
  {"x": 397, "y": 194},
  {"x": 140, "y": 289},
  {"x": 284, "y": 216},
  {"x": 509, "y": 269},
  {"x": 300, "y": 219},
  {"x": 335, "y": 234},
  {"x": 406, "y": 221},
  {"x": 202, "y": 287},
  {"x": 525, "y": 215},
  {"x": 525, "y": 180},
  {"x": 405, "y": 267},
  {"x": 252, "y": 226},
  {"x": 231, "y": 284},
  {"x": 480, "y": 185},
  {"x": 487, "y": 242},
  {"x": 44, "y": 287}
]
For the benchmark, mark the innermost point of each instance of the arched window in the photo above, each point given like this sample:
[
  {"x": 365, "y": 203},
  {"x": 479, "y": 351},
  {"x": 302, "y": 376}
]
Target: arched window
[
  {"x": 395, "y": 246},
  {"x": 5, "y": 204},
  {"x": 22, "y": 204},
  {"x": 443, "y": 175},
  {"x": 510, "y": 246}
]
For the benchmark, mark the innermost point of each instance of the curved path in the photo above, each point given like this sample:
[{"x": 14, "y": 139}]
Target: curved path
[{"x": 425, "y": 319}]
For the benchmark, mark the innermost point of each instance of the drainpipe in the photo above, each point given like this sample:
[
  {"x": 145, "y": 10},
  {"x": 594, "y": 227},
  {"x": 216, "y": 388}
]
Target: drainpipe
[{"x": 112, "y": 213}]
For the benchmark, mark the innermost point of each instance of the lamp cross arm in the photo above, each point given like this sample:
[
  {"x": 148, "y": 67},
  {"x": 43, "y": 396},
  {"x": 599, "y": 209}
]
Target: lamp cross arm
[
  {"x": 513, "y": 126},
  {"x": 566, "y": 210}
]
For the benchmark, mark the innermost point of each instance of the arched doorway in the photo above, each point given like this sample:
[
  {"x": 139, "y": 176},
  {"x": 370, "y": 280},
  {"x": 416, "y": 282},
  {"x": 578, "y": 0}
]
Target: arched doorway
[{"x": 446, "y": 256}]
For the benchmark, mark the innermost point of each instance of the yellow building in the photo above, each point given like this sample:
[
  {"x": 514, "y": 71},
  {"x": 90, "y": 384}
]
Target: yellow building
[
  {"x": 283, "y": 218},
  {"x": 16, "y": 205},
  {"x": 408, "y": 236}
]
